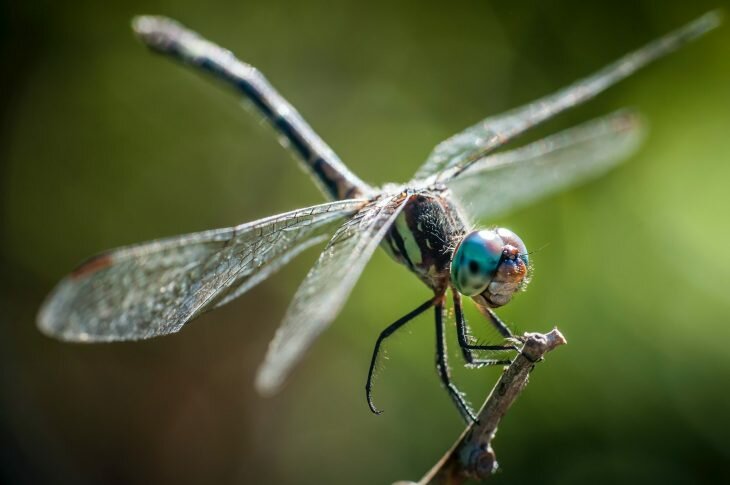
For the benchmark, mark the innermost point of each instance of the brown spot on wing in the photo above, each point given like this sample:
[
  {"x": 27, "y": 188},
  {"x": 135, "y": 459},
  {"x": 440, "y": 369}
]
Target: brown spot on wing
[{"x": 92, "y": 265}]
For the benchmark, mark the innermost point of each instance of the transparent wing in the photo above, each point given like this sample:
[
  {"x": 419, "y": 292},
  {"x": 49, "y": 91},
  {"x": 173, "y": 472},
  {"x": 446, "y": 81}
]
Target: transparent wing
[
  {"x": 154, "y": 288},
  {"x": 504, "y": 181},
  {"x": 325, "y": 289},
  {"x": 473, "y": 143}
]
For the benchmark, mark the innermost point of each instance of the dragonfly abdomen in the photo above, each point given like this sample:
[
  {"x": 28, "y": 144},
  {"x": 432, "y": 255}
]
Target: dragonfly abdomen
[{"x": 331, "y": 175}]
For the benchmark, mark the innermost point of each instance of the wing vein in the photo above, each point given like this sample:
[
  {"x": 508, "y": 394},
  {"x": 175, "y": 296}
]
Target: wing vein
[{"x": 323, "y": 292}]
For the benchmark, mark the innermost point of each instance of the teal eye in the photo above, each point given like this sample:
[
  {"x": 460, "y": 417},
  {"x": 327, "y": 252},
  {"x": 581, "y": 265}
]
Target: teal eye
[{"x": 475, "y": 261}]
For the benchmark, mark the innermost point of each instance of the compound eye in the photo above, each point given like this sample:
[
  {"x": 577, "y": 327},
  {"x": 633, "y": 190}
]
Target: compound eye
[
  {"x": 475, "y": 261},
  {"x": 512, "y": 239}
]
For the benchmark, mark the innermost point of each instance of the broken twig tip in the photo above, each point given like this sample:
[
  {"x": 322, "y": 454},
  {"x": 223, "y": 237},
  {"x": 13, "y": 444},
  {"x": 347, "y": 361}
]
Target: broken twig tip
[{"x": 472, "y": 456}]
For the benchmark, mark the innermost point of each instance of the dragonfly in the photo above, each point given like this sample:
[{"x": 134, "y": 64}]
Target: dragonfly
[{"x": 154, "y": 288}]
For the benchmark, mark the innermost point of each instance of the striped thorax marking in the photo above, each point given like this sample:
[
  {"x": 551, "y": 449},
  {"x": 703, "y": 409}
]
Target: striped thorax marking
[{"x": 423, "y": 237}]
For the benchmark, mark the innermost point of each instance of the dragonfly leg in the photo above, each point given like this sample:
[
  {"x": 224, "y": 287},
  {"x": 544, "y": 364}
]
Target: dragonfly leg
[
  {"x": 497, "y": 322},
  {"x": 462, "y": 333},
  {"x": 389, "y": 330},
  {"x": 443, "y": 368}
]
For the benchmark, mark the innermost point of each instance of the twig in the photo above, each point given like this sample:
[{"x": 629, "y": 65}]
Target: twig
[{"x": 472, "y": 455}]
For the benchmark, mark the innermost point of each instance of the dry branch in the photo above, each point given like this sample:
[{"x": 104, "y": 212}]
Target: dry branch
[{"x": 472, "y": 455}]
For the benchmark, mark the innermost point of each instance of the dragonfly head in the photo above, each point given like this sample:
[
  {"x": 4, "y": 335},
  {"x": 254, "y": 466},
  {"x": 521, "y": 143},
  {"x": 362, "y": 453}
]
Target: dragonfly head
[{"x": 490, "y": 266}]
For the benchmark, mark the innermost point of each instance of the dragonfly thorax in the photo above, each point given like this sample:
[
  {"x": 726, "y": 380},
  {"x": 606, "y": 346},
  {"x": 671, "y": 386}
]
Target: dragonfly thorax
[
  {"x": 424, "y": 235},
  {"x": 490, "y": 266}
]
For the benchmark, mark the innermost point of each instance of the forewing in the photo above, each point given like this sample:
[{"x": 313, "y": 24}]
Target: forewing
[
  {"x": 473, "y": 143},
  {"x": 326, "y": 288},
  {"x": 504, "y": 181},
  {"x": 154, "y": 288}
]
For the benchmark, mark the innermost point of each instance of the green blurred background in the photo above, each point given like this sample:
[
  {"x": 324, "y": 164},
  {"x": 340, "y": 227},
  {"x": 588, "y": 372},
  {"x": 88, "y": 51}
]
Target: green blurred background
[{"x": 104, "y": 144}]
